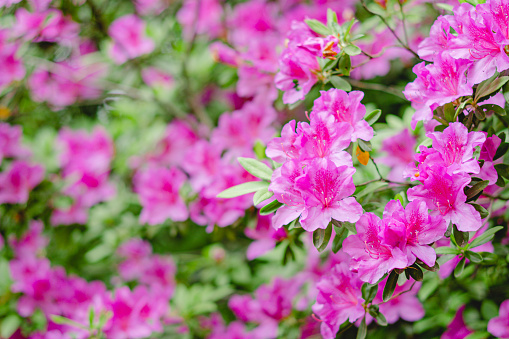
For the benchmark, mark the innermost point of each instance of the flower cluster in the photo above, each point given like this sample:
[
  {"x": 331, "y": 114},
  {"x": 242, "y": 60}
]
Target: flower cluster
[{"x": 315, "y": 181}]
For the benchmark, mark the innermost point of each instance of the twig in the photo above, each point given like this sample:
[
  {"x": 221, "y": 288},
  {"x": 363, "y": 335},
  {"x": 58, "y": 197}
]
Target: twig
[
  {"x": 376, "y": 87},
  {"x": 403, "y": 21}
]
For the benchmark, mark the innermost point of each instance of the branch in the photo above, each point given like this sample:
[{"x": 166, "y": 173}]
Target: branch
[{"x": 377, "y": 87}]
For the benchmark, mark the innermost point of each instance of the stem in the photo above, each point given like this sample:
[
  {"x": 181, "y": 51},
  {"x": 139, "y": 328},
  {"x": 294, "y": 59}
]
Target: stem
[
  {"x": 403, "y": 21},
  {"x": 404, "y": 45},
  {"x": 493, "y": 197},
  {"x": 376, "y": 87}
]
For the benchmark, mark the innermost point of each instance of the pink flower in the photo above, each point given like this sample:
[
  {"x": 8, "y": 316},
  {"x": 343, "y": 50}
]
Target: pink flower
[
  {"x": 421, "y": 229},
  {"x": 31, "y": 243},
  {"x": 377, "y": 248},
  {"x": 10, "y": 142},
  {"x": 443, "y": 194},
  {"x": 18, "y": 180},
  {"x": 499, "y": 326},
  {"x": 439, "y": 39},
  {"x": 8, "y": 3},
  {"x": 129, "y": 37},
  {"x": 326, "y": 190},
  {"x": 457, "y": 329},
  {"x": 11, "y": 66},
  {"x": 345, "y": 107},
  {"x": 265, "y": 237},
  {"x": 488, "y": 151},
  {"x": 203, "y": 162},
  {"x": 400, "y": 150},
  {"x": 405, "y": 305},
  {"x": 455, "y": 148},
  {"x": 339, "y": 299},
  {"x": 158, "y": 191},
  {"x": 155, "y": 77},
  {"x": 285, "y": 147},
  {"x": 201, "y": 17},
  {"x": 151, "y": 7}
]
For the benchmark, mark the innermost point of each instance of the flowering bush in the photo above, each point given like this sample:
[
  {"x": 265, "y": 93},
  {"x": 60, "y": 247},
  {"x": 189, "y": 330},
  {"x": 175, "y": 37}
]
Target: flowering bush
[{"x": 257, "y": 169}]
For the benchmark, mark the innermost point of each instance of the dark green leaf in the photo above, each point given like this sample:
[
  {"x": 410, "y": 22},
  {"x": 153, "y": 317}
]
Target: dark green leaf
[
  {"x": 461, "y": 238},
  {"x": 489, "y": 86},
  {"x": 490, "y": 108},
  {"x": 373, "y": 310},
  {"x": 434, "y": 268},
  {"x": 415, "y": 272},
  {"x": 318, "y": 27},
  {"x": 480, "y": 113},
  {"x": 345, "y": 65},
  {"x": 245, "y": 188},
  {"x": 473, "y": 257},
  {"x": 458, "y": 271},
  {"x": 373, "y": 117},
  {"x": 390, "y": 286},
  {"x": 337, "y": 243},
  {"x": 369, "y": 292},
  {"x": 488, "y": 258},
  {"x": 485, "y": 237},
  {"x": 365, "y": 145},
  {"x": 501, "y": 150},
  {"x": 363, "y": 329},
  {"x": 482, "y": 211},
  {"x": 256, "y": 168},
  {"x": 476, "y": 189},
  {"x": 449, "y": 112},
  {"x": 270, "y": 208},
  {"x": 340, "y": 83},
  {"x": 380, "y": 319},
  {"x": 321, "y": 237}
]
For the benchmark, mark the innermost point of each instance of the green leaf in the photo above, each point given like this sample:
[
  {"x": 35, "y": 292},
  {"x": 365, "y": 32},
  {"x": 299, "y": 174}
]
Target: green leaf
[
  {"x": 400, "y": 198},
  {"x": 318, "y": 27},
  {"x": 390, "y": 285},
  {"x": 341, "y": 235},
  {"x": 57, "y": 319},
  {"x": 473, "y": 257},
  {"x": 292, "y": 225},
  {"x": 429, "y": 286},
  {"x": 480, "y": 114},
  {"x": 461, "y": 238},
  {"x": 489, "y": 309},
  {"x": 340, "y": 83},
  {"x": 489, "y": 86},
  {"x": 321, "y": 237},
  {"x": 345, "y": 65},
  {"x": 9, "y": 325},
  {"x": 433, "y": 268},
  {"x": 449, "y": 112},
  {"x": 256, "y": 168},
  {"x": 370, "y": 188},
  {"x": 270, "y": 208},
  {"x": 501, "y": 150},
  {"x": 482, "y": 211},
  {"x": 91, "y": 317},
  {"x": 380, "y": 319},
  {"x": 332, "y": 17},
  {"x": 446, "y": 250},
  {"x": 476, "y": 189},
  {"x": 415, "y": 272},
  {"x": 488, "y": 258},
  {"x": 485, "y": 237},
  {"x": 365, "y": 145},
  {"x": 245, "y": 188},
  {"x": 502, "y": 170},
  {"x": 363, "y": 329},
  {"x": 352, "y": 50},
  {"x": 261, "y": 196},
  {"x": 369, "y": 292},
  {"x": 458, "y": 271},
  {"x": 373, "y": 117},
  {"x": 350, "y": 227}
]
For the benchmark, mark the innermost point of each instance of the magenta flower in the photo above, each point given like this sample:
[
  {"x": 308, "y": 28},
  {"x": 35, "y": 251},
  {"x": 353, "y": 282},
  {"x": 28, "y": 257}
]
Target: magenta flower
[
  {"x": 201, "y": 17},
  {"x": 400, "y": 150},
  {"x": 455, "y": 148},
  {"x": 31, "y": 243},
  {"x": 11, "y": 66},
  {"x": 326, "y": 190},
  {"x": 345, "y": 107},
  {"x": 439, "y": 39},
  {"x": 499, "y": 326},
  {"x": 377, "y": 248},
  {"x": 422, "y": 229},
  {"x": 443, "y": 194},
  {"x": 286, "y": 147},
  {"x": 265, "y": 237},
  {"x": 457, "y": 329},
  {"x": 155, "y": 77},
  {"x": 150, "y": 7},
  {"x": 405, "y": 305},
  {"x": 10, "y": 142},
  {"x": 339, "y": 299},
  {"x": 203, "y": 162},
  {"x": 129, "y": 37},
  {"x": 488, "y": 151},
  {"x": 158, "y": 191},
  {"x": 18, "y": 180}
]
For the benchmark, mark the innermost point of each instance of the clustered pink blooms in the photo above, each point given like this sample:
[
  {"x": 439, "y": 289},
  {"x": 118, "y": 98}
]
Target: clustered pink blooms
[
  {"x": 10, "y": 143},
  {"x": 499, "y": 326},
  {"x": 85, "y": 160},
  {"x": 129, "y": 39},
  {"x": 444, "y": 172},
  {"x": 265, "y": 237},
  {"x": 396, "y": 241},
  {"x": 400, "y": 150},
  {"x": 11, "y": 66},
  {"x": 315, "y": 181},
  {"x": 135, "y": 313},
  {"x": 465, "y": 48}
]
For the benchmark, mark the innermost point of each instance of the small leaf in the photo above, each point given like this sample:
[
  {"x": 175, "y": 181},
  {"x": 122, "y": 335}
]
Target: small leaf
[
  {"x": 482, "y": 211},
  {"x": 270, "y": 208},
  {"x": 449, "y": 112},
  {"x": 487, "y": 87},
  {"x": 365, "y": 145},
  {"x": 476, "y": 189},
  {"x": 415, "y": 272},
  {"x": 341, "y": 235},
  {"x": 390, "y": 286},
  {"x": 363, "y": 329},
  {"x": 363, "y": 157},
  {"x": 461, "y": 238},
  {"x": 321, "y": 237},
  {"x": 373, "y": 117},
  {"x": 502, "y": 170},
  {"x": 245, "y": 188},
  {"x": 458, "y": 271},
  {"x": 473, "y": 257},
  {"x": 369, "y": 292},
  {"x": 352, "y": 50},
  {"x": 332, "y": 17},
  {"x": 480, "y": 113},
  {"x": 340, "y": 83},
  {"x": 380, "y": 319},
  {"x": 292, "y": 225},
  {"x": 400, "y": 198},
  {"x": 488, "y": 258},
  {"x": 9, "y": 325},
  {"x": 256, "y": 168},
  {"x": 501, "y": 150},
  {"x": 318, "y": 27},
  {"x": 350, "y": 227},
  {"x": 433, "y": 268},
  {"x": 489, "y": 309},
  {"x": 446, "y": 250},
  {"x": 485, "y": 237},
  {"x": 345, "y": 65},
  {"x": 261, "y": 196}
]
